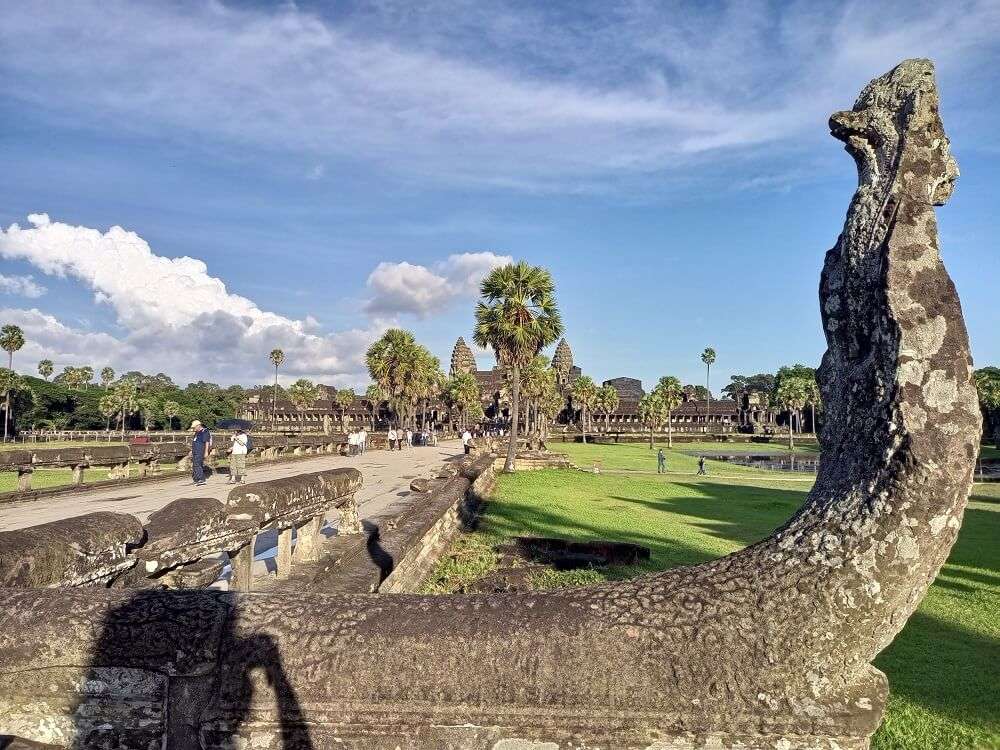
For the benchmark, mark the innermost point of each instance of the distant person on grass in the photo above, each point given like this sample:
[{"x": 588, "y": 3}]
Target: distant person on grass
[
  {"x": 238, "y": 457},
  {"x": 661, "y": 462},
  {"x": 201, "y": 446},
  {"x": 701, "y": 466}
]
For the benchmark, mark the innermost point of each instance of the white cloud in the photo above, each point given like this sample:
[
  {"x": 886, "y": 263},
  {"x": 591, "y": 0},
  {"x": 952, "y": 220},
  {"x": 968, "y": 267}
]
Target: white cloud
[
  {"x": 520, "y": 97},
  {"x": 176, "y": 317},
  {"x": 22, "y": 286},
  {"x": 408, "y": 288}
]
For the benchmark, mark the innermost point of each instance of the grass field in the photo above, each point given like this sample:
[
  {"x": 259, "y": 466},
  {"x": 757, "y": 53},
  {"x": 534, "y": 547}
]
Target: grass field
[
  {"x": 55, "y": 477},
  {"x": 943, "y": 667},
  {"x": 57, "y": 444}
]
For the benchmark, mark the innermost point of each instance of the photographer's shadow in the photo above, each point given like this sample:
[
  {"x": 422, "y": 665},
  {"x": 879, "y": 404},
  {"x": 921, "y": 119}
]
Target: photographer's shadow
[{"x": 171, "y": 663}]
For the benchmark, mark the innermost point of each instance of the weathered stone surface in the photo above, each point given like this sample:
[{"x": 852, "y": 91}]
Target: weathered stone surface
[
  {"x": 284, "y": 502},
  {"x": 188, "y": 529},
  {"x": 768, "y": 647},
  {"x": 72, "y": 552}
]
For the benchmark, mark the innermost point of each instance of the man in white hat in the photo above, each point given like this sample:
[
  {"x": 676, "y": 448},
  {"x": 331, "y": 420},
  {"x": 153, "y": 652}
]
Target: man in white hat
[{"x": 201, "y": 445}]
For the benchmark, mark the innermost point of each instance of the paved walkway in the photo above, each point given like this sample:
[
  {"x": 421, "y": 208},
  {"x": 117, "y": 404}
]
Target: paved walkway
[{"x": 386, "y": 475}]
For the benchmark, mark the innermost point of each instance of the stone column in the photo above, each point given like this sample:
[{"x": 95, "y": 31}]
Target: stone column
[
  {"x": 350, "y": 520},
  {"x": 24, "y": 474},
  {"x": 284, "y": 558},
  {"x": 241, "y": 578},
  {"x": 307, "y": 546}
]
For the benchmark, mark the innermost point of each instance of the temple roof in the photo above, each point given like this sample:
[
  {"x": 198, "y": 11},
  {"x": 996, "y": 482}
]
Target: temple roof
[
  {"x": 462, "y": 358},
  {"x": 563, "y": 359}
]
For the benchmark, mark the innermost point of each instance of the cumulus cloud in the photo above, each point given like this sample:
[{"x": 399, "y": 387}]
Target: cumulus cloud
[
  {"x": 176, "y": 317},
  {"x": 407, "y": 288},
  {"x": 21, "y": 286}
]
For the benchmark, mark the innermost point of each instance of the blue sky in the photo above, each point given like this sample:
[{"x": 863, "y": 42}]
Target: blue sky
[{"x": 333, "y": 169}]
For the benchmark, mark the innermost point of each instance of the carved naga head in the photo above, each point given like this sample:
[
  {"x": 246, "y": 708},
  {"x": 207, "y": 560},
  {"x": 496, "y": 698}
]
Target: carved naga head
[{"x": 881, "y": 129}]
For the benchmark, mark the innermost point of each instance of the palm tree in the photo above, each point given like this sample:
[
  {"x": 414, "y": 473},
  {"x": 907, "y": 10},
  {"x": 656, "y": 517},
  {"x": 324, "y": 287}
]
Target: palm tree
[
  {"x": 607, "y": 402},
  {"x": 170, "y": 410},
  {"x": 551, "y": 403},
  {"x": 147, "y": 407},
  {"x": 988, "y": 385},
  {"x": 394, "y": 363},
  {"x": 45, "y": 368},
  {"x": 708, "y": 357},
  {"x": 373, "y": 397},
  {"x": 125, "y": 395},
  {"x": 11, "y": 339},
  {"x": 86, "y": 375},
  {"x": 303, "y": 394},
  {"x": 277, "y": 358},
  {"x": 108, "y": 407},
  {"x": 671, "y": 393},
  {"x": 461, "y": 394},
  {"x": 585, "y": 396},
  {"x": 791, "y": 394},
  {"x": 651, "y": 411},
  {"x": 343, "y": 399},
  {"x": 517, "y": 317},
  {"x": 107, "y": 376},
  {"x": 534, "y": 380}
]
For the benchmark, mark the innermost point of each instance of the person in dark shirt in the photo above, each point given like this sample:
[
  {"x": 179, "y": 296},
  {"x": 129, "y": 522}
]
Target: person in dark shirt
[
  {"x": 661, "y": 462},
  {"x": 201, "y": 445}
]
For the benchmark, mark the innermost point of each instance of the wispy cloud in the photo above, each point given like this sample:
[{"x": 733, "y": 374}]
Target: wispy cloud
[{"x": 528, "y": 99}]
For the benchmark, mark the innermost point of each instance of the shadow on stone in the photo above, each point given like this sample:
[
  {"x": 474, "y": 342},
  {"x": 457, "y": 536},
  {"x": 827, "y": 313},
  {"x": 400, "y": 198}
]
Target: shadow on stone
[{"x": 181, "y": 648}]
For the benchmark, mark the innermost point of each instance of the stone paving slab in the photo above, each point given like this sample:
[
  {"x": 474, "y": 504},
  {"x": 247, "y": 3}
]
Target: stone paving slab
[{"x": 386, "y": 475}]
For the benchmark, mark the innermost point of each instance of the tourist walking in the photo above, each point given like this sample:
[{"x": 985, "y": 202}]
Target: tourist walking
[
  {"x": 352, "y": 443},
  {"x": 466, "y": 441},
  {"x": 363, "y": 440},
  {"x": 701, "y": 466},
  {"x": 661, "y": 462},
  {"x": 391, "y": 438},
  {"x": 201, "y": 446},
  {"x": 409, "y": 438},
  {"x": 238, "y": 457}
]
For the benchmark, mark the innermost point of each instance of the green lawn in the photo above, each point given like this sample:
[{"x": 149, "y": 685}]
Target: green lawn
[
  {"x": 55, "y": 477},
  {"x": 56, "y": 444},
  {"x": 943, "y": 666}
]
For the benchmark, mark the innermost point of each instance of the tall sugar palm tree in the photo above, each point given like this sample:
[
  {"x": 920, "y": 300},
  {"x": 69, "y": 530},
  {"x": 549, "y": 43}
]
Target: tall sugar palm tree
[
  {"x": 792, "y": 394},
  {"x": 394, "y": 362},
  {"x": 373, "y": 399},
  {"x": 988, "y": 386},
  {"x": 107, "y": 376},
  {"x": 708, "y": 357},
  {"x": 671, "y": 393},
  {"x": 607, "y": 402},
  {"x": 344, "y": 399},
  {"x": 170, "y": 410},
  {"x": 45, "y": 368},
  {"x": 517, "y": 317},
  {"x": 277, "y": 358},
  {"x": 651, "y": 412},
  {"x": 585, "y": 396},
  {"x": 303, "y": 394},
  {"x": 11, "y": 339}
]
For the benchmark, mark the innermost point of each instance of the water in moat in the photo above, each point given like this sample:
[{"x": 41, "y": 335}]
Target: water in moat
[{"x": 988, "y": 469}]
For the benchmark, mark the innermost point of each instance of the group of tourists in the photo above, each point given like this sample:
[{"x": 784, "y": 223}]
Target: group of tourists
[
  {"x": 357, "y": 442},
  {"x": 397, "y": 438},
  {"x": 661, "y": 463},
  {"x": 201, "y": 446}
]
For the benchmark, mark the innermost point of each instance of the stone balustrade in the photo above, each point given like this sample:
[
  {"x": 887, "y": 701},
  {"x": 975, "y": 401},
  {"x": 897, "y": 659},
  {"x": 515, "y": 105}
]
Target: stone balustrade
[
  {"x": 181, "y": 544},
  {"x": 148, "y": 457}
]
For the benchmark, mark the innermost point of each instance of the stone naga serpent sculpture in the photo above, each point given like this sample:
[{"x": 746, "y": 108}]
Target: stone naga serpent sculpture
[{"x": 768, "y": 647}]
